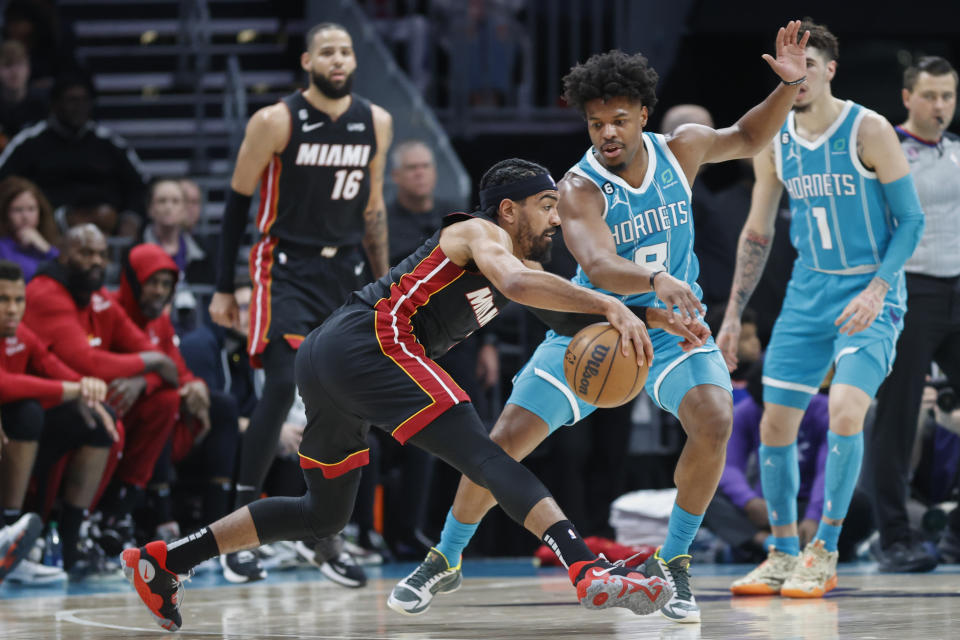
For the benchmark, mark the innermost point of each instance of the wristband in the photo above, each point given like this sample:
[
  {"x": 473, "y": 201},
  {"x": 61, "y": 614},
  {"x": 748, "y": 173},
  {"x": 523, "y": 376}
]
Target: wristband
[
  {"x": 652, "y": 276},
  {"x": 795, "y": 82}
]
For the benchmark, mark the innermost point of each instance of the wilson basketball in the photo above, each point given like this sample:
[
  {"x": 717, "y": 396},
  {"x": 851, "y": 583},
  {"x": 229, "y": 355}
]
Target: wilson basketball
[{"x": 597, "y": 370}]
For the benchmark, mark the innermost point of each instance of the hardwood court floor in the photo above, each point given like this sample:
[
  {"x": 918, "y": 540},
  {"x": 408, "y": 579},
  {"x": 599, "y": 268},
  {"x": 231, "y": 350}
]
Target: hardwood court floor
[{"x": 498, "y": 600}]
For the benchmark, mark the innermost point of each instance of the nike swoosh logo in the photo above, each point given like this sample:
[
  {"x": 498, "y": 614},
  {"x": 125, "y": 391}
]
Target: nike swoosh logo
[{"x": 307, "y": 127}]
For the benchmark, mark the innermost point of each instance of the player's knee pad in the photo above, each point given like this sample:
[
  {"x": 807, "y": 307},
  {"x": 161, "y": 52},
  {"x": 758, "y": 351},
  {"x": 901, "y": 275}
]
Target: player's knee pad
[
  {"x": 512, "y": 484},
  {"x": 328, "y": 503},
  {"x": 23, "y": 420}
]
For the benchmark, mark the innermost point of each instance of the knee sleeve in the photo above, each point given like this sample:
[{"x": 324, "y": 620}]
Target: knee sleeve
[
  {"x": 22, "y": 420},
  {"x": 458, "y": 438},
  {"x": 323, "y": 511}
]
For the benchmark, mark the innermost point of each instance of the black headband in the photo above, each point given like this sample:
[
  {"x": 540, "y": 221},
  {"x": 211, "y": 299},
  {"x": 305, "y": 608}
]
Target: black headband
[{"x": 491, "y": 196}]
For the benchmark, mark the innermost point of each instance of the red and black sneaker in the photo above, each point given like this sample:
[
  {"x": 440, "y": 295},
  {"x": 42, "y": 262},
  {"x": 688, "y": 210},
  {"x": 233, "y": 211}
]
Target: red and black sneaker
[
  {"x": 159, "y": 588},
  {"x": 601, "y": 584}
]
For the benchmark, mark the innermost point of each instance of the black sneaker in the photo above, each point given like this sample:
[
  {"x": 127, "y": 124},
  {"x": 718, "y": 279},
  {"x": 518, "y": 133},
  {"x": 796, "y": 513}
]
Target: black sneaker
[
  {"x": 949, "y": 547},
  {"x": 91, "y": 563},
  {"x": 682, "y": 607},
  {"x": 160, "y": 589},
  {"x": 413, "y": 595},
  {"x": 242, "y": 566},
  {"x": 904, "y": 556},
  {"x": 334, "y": 562},
  {"x": 16, "y": 541},
  {"x": 113, "y": 535}
]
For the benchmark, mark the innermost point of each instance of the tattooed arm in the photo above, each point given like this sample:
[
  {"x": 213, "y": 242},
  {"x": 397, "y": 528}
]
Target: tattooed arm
[
  {"x": 752, "y": 251},
  {"x": 375, "y": 240}
]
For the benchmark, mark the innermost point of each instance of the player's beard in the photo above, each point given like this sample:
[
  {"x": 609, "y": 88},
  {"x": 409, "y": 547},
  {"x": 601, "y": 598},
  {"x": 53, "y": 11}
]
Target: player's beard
[
  {"x": 538, "y": 246},
  {"x": 802, "y": 108},
  {"x": 328, "y": 89},
  {"x": 83, "y": 282}
]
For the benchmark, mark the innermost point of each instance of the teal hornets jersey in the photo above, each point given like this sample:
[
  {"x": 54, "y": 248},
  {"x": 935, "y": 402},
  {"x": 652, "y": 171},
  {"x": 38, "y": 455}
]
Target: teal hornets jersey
[
  {"x": 651, "y": 225},
  {"x": 840, "y": 220}
]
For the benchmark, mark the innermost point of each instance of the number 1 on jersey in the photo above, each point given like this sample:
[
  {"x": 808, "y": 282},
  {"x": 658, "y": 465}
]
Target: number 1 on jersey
[
  {"x": 820, "y": 213},
  {"x": 654, "y": 256},
  {"x": 347, "y": 185}
]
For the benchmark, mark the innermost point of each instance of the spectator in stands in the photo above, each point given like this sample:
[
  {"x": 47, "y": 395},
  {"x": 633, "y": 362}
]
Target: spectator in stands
[
  {"x": 20, "y": 104},
  {"x": 39, "y": 28},
  {"x": 192, "y": 202},
  {"x": 749, "y": 349},
  {"x": 68, "y": 307},
  {"x": 206, "y": 429},
  {"x": 167, "y": 214},
  {"x": 28, "y": 233},
  {"x": 738, "y": 513},
  {"x": 73, "y": 158},
  {"x": 49, "y": 410}
]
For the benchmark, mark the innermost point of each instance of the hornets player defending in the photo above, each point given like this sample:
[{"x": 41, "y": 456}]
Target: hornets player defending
[
  {"x": 625, "y": 211},
  {"x": 856, "y": 220}
]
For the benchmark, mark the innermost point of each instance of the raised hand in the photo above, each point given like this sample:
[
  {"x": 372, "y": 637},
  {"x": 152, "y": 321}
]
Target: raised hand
[
  {"x": 791, "y": 61},
  {"x": 729, "y": 341}
]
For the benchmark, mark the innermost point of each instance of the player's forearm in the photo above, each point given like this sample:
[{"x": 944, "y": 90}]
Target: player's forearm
[
  {"x": 753, "y": 249},
  {"x": 375, "y": 240},
  {"x": 235, "y": 214},
  {"x": 901, "y": 196},
  {"x": 620, "y": 276},
  {"x": 548, "y": 291},
  {"x": 758, "y": 125}
]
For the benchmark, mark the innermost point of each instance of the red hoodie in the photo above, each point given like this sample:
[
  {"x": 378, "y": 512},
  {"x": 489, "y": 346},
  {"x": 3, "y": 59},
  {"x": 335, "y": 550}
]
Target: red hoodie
[
  {"x": 30, "y": 371},
  {"x": 97, "y": 339},
  {"x": 144, "y": 261}
]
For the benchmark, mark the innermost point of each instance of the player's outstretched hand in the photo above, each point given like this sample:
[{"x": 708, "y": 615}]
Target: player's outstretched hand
[
  {"x": 729, "y": 341},
  {"x": 224, "y": 310},
  {"x": 632, "y": 330},
  {"x": 863, "y": 309},
  {"x": 677, "y": 294},
  {"x": 694, "y": 334},
  {"x": 791, "y": 61}
]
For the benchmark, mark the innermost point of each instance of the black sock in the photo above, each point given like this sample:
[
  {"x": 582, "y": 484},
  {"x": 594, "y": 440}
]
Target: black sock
[
  {"x": 566, "y": 543},
  {"x": 188, "y": 552},
  {"x": 159, "y": 497},
  {"x": 10, "y": 516},
  {"x": 119, "y": 501},
  {"x": 70, "y": 520},
  {"x": 216, "y": 498},
  {"x": 245, "y": 495}
]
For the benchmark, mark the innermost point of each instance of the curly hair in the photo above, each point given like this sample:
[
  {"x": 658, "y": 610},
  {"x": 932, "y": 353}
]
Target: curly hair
[
  {"x": 611, "y": 75},
  {"x": 10, "y": 189},
  {"x": 505, "y": 172}
]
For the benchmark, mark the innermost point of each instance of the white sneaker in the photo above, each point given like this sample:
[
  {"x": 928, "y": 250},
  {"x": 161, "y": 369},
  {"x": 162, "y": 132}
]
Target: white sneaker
[
  {"x": 815, "y": 573},
  {"x": 768, "y": 577},
  {"x": 280, "y": 555},
  {"x": 17, "y": 540},
  {"x": 30, "y": 573}
]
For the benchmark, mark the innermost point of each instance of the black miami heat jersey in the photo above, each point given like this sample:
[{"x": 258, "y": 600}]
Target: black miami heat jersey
[
  {"x": 444, "y": 303},
  {"x": 315, "y": 191}
]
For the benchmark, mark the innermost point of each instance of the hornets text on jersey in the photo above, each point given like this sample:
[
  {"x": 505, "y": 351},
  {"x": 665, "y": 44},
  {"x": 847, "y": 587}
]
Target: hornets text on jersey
[
  {"x": 840, "y": 221},
  {"x": 652, "y": 224}
]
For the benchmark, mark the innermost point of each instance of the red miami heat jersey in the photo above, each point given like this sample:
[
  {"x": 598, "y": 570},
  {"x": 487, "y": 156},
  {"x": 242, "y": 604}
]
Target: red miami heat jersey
[
  {"x": 443, "y": 302},
  {"x": 315, "y": 191}
]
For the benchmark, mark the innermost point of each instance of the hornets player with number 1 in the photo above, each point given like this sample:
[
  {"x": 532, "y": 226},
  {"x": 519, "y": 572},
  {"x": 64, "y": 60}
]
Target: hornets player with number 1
[
  {"x": 856, "y": 219},
  {"x": 318, "y": 156},
  {"x": 626, "y": 217}
]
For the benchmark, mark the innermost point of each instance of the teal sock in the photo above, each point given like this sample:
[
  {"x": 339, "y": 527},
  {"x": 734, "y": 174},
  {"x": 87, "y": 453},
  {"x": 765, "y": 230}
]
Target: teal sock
[
  {"x": 788, "y": 544},
  {"x": 454, "y": 538},
  {"x": 681, "y": 531},
  {"x": 780, "y": 479},
  {"x": 844, "y": 457},
  {"x": 830, "y": 534}
]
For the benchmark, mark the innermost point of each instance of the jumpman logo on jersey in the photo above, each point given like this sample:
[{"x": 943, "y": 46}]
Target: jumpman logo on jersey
[
  {"x": 792, "y": 153},
  {"x": 836, "y": 449},
  {"x": 769, "y": 463},
  {"x": 617, "y": 200}
]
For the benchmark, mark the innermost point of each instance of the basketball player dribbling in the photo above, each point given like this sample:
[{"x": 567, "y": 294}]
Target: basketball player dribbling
[
  {"x": 625, "y": 209},
  {"x": 856, "y": 219},
  {"x": 372, "y": 363},
  {"x": 318, "y": 156}
]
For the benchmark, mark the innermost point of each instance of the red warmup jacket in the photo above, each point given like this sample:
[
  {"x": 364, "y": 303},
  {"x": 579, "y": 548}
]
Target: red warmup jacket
[
  {"x": 29, "y": 371},
  {"x": 97, "y": 339},
  {"x": 145, "y": 260}
]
